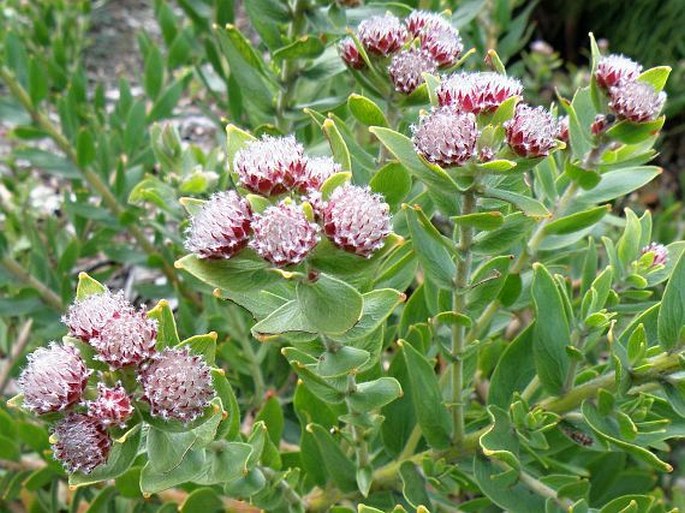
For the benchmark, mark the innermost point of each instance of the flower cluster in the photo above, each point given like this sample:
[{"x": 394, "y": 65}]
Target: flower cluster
[
  {"x": 424, "y": 42},
  {"x": 285, "y": 233},
  {"x": 629, "y": 98},
  {"x": 55, "y": 379}
]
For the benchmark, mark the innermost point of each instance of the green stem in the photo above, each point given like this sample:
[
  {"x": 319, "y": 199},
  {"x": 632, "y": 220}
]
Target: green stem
[
  {"x": 253, "y": 361},
  {"x": 358, "y": 436},
  {"x": 289, "y": 69},
  {"x": 47, "y": 295},
  {"x": 461, "y": 280},
  {"x": 543, "y": 490},
  {"x": 290, "y": 495}
]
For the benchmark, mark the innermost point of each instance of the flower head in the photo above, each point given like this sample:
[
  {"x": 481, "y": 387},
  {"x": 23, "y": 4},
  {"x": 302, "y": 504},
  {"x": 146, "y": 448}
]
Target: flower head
[
  {"x": 406, "y": 67},
  {"x": 176, "y": 384},
  {"x": 532, "y": 131},
  {"x": 477, "y": 92},
  {"x": 271, "y": 165},
  {"x": 418, "y": 21},
  {"x": 615, "y": 69},
  {"x": 283, "y": 235},
  {"x": 112, "y": 406},
  {"x": 350, "y": 54},
  {"x": 443, "y": 42},
  {"x": 317, "y": 171},
  {"x": 356, "y": 220},
  {"x": 128, "y": 338},
  {"x": 636, "y": 101},
  {"x": 81, "y": 443},
  {"x": 563, "y": 129},
  {"x": 446, "y": 137},
  {"x": 53, "y": 379},
  {"x": 87, "y": 317},
  {"x": 658, "y": 251},
  {"x": 382, "y": 35},
  {"x": 221, "y": 228}
]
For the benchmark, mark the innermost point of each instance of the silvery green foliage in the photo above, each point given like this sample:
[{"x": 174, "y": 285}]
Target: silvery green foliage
[{"x": 454, "y": 316}]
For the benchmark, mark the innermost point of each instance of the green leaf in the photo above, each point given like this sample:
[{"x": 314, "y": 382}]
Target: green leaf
[
  {"x": 393, "y": 182},
  {"x": 514, "y": 370},
  {"x": 229, "y": 427},
  {"x": 168, "y": 99},
  {"x": 497, "y": 485},
  {"x": 430, "y": 249},
  {"x": 656, "y": 77},
  {"x": 225, "y": 463},
  {"x": 333, "y": 182},
  {"x": 372, "y": 395},
  {"x": 341, "y": 362},
  {"x": 431, "y": 414},
  {"x": 202, "y": 500},
  {"x": 330, "y": 305},
  {"x": 634, "y": 133},
  {"x": 378, "y": 305},
  {"x": 578, "y": 221},
  {"x": 671, "y": 324},
  {"x": 608, "y": 431},
  {"x": 38, "y": 82},
  {"x": 529, "y": 206},
  {"x": 203, "y": 345},
  {"x": 496, "y": 166},
  {"x": 153, "y": 76},
  {"x": 87, "y": 286},
  {"x": 366, "y": 111},
  {"x": 414, "y": 485},
  {"x": 192, "y": 465},
  {"x": 338, "y": 146},
  {"x": 629, "y": 504},
  {"x": 167, "y": 335},
  {"x": 499, "y": 441},
  {"x": 266, "y": 17},
  {"x": 481, "y": 221},
  {"x": 619, "y": 183},
  {"x": 341, "y": 469},
  {"x": 124, "y": 450},
  {"x": 272, "y": 415},
  {"x": 586, "y": 178},
  {"x": 286, "y": 318},
  {"x": 306, "y": 47},
  {"x": 551, "y": 333}
]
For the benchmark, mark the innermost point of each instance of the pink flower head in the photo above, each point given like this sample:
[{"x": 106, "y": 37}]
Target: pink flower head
[
  {"x": 382, "y": 35},
  {"x": 350, "y": 54},
  {"x": 283, "y": 235},
  {"x": 418, "y": 21},
  {"x": 271, "y": 165},
  {"x": 532, "y": 131},
  {"x": 176, "y": 384},
  {"x": 54, "y": 378},
  {"x": 636, "y": 101},
  {"x": 477, "y": 92},
  {"x": 221, "y": 228},
  {"x": 317, "y": 171},
  {"x": 659, "y": 253},
  {"x": 446, "y": 137},
  {"x": 356, "y": 220},
  {"x": 613, "y": 70},
  {"x": 128, "y": 338},
  {"x": 407, "y": 66},
  {"x": 443, "y": 43},
  {"x": 112, "y": 406},
  {"x": 82, "y": 443},
  {"x": 87, "y": 317},
  {"x": 563, "y": 129}
]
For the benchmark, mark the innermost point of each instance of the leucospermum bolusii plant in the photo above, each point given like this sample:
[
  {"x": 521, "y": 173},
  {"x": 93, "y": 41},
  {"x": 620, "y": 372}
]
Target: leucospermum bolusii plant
[{"x": 470, "y": 323}]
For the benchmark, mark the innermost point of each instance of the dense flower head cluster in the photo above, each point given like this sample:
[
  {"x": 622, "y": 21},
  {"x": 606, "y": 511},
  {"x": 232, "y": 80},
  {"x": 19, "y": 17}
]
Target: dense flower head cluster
[
  {"x": 283, "y": 235},
  {"x": 176, "y": 384},
  {"x": 446, "y": 137},
  {"x": 615, "y": 69},
  {"x": 112, "y": 406},
  {"x": 407, "y": 66},
  {"x": 350, "y": 54},
  {"x": 477, "y": 92},
  {"x": 81, "y": 443},
  {"x": 658, "y": 251},
  {"x": 636, "y": 101},
  {"x": 532, "y": 132},
  {"x": 443, "y": 43},
  {"x": 221, "y": 228},
  {"x": 54, "y": 378},
  {"x": 356, "y": 220},
  {"x": 382, "y": 35},
  {"x": 271, "y": 165}
]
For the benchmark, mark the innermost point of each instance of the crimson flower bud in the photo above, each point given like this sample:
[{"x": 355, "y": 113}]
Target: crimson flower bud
[
  {"x": 350, "y": 54},
  {"x": 221, "y": 228},
  {"x": 176, "y": 384},
  {"x": 81, "y": 443},
  {"x": 317, "y": 171},
  {"x": 129, "y": 338},
  {"x": 54, "y": 378},
  {"x": 446, "y": 137},
  {"x": 636, "y": 101},
  {"x": 486, "y": 154},
  {"x": 599, "y": 124},
  {"x": 477, "y": 92},
  {"x": 112, "y": 406},
  {"x": 532, "y": 131},
  {"x": 271, "y": 165},
  {"x": 443, "y": 43},
  {"x": 87, "y": 317},
  {"x": 283, "y": 235},
  {"x": 658, "y": 251},
  {"x": 613, "y": 70},
  {"x": 356, "y": 220},
  {"x": 418, "y": 21},
  {"x": 563, "y": 129},
  {"x": 406, "y": 67},
  {"x": 382, "y": 35}
]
